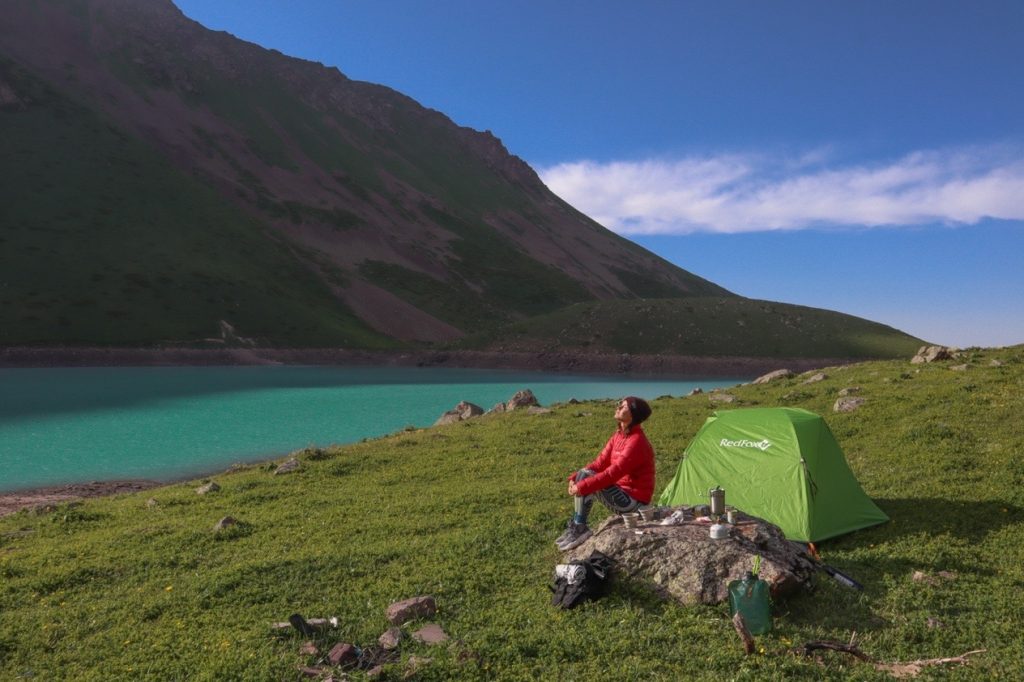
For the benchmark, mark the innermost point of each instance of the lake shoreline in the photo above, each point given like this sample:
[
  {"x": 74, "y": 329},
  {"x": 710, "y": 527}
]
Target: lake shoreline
[
  {"x": 48, "y": 496},
  {"x": 668, "y": 366},
  {"x": 663, "y": 366}
]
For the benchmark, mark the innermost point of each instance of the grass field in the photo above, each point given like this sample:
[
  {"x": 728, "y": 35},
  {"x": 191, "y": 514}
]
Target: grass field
[
  {"x": 701, "y": 325},
  {"x": 115, "y": 589}
]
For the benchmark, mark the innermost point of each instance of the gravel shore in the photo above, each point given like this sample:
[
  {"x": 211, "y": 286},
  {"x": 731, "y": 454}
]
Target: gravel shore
[
  {"x": 38, "y": 498},
  {"x": 666, "y": 366}
]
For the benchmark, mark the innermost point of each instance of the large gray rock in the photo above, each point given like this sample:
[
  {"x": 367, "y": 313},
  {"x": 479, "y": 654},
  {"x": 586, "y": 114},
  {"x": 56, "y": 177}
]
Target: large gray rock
[
  {"x": 523, "y": 398},
  {"x": 931, "y": 354},
  {"x": 772, "y": 376},
  {"x": 848, "y": 404},
  {"x": 682, "y": 562},
  {"x": 461, "y": 412}
]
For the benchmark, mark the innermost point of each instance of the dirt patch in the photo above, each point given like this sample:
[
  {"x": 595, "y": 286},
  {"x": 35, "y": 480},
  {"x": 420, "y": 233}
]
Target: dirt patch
[{"x": 39, "y": 498}]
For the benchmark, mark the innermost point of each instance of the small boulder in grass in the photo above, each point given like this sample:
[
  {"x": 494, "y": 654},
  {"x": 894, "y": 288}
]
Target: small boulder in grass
[
  {"x": 411, "y": 609},
  {"x": 206, "y": 488},
  {"x": 847, "y": 404},
  {"x": 343, "y": 654},
  {"x": 288, "y": 467},
  {"x": 431, "y": 633},
  {"x": 309, "y": 648},
  {"x": 390, "y": 638},
  {"x": 416, "y": 663},
  {"x": 225, "y": 522}
]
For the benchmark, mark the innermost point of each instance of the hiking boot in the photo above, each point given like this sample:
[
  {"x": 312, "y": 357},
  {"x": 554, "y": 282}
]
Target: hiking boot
[
  {"x": 565, "y": 534},
  {"x": 576, "y": 535}
]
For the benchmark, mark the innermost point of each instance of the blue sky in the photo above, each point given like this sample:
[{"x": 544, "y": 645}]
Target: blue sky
[{"x": 866, "y": 157}]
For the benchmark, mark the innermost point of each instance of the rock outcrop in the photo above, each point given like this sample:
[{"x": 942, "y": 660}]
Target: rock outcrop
[
  {"x": 848, "y": 404},
  {"x": 932, "y": 354},
  {"x": 523, "y": 398},
  {"x": 461, "y": 412},
  {"x": 772, "y": 376},
  {"x": 682, "y": 562}
]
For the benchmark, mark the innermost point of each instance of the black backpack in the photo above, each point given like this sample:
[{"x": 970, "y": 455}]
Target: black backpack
[{"x": 597, "y": 571}]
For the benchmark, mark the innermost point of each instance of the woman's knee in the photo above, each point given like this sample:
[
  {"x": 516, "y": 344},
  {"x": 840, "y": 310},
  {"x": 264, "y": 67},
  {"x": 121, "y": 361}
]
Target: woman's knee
[{"x": 583, "y": 473}]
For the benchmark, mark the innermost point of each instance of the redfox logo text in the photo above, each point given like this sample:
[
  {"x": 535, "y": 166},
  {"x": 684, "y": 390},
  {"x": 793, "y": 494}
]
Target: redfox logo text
[{"x": 761, "y": 445}]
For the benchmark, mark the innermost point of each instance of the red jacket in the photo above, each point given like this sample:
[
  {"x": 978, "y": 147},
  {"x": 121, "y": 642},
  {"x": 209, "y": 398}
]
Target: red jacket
[{"x": 627, "y": 461}]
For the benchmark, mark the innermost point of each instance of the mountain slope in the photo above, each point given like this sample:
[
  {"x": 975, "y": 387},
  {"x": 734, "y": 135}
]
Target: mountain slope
[
  {"x": 167, "y": 184},
  {"x": 405, "y": 211}
]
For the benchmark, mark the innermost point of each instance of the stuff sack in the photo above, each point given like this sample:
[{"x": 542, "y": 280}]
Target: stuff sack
[{"x": 577, "y": 581}]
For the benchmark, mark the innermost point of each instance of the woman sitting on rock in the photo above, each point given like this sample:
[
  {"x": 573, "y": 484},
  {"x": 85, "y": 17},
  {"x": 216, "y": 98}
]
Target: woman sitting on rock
[{"x": 622, "y": 476}]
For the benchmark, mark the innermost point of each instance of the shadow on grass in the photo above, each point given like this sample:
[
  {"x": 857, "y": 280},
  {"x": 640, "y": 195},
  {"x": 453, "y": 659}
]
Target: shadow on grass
[
  {"x": 963, "y": 524},
  {"x": 830, "y": 605},
  {"x": 969, "y": 521}
]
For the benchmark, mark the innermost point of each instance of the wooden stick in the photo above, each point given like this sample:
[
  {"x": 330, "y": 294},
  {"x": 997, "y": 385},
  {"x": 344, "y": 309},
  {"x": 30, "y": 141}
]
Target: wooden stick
[
  {"x": 908, "y": 669},
  {"x": 913, "y": 668},
  {"x": 836, "y": 646},
  {"x": 744, "y": 633}
]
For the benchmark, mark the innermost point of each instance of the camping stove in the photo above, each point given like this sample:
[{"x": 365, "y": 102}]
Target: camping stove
[{"x": 719, "y": 530}]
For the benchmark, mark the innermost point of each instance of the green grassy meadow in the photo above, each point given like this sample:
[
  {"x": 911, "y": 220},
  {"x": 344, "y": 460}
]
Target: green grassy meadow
[
  {"x": 115, "y": 589},
  {"x": 701, "y": 325}
]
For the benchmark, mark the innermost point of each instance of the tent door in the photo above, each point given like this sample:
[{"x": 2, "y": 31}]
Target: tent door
[{"x": 812, "y": 487}]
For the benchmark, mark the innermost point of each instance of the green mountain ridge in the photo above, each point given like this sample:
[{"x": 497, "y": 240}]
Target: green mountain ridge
[{"x": 161, "y": 182}]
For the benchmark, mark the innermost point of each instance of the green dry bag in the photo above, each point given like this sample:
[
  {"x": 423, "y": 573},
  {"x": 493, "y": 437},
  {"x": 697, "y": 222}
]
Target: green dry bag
[{"x": 750, "y": 598}]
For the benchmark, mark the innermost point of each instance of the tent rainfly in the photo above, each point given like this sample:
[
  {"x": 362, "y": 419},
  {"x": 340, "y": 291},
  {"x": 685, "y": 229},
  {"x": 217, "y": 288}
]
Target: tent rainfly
[{"x": 781, "y": 464}]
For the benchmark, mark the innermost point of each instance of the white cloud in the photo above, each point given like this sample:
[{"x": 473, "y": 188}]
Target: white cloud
[{"x": 755, "y": 192}]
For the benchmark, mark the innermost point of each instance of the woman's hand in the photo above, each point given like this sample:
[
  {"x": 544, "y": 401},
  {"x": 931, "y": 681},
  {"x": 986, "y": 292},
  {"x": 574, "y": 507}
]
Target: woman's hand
[{"x": 573, "y": 490}]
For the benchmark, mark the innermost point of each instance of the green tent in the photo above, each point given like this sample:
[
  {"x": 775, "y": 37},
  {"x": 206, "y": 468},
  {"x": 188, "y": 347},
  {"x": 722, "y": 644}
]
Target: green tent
[{"x": 778, "y": 463}]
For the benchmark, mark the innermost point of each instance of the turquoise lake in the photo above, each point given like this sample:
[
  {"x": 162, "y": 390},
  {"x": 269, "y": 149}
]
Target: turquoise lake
[{"x": 72, "y": 425}]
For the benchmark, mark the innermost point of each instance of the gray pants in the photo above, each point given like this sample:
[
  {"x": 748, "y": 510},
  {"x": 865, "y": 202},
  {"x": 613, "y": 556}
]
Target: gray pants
[{"x": 613, "y": 497}]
